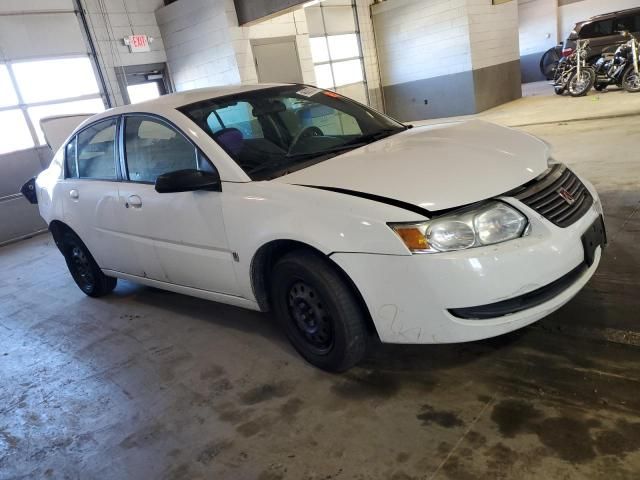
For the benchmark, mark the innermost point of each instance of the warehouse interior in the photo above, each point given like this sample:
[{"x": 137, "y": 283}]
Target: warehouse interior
[{"x": 146, "y": 383}]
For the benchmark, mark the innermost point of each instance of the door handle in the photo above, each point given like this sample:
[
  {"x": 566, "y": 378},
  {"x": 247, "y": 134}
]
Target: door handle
[
  {"x": 134, "y": 201},
  {"x": 74, "y": 194}
]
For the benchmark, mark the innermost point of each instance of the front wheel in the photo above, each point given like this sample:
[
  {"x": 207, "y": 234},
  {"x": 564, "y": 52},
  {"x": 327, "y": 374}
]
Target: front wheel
[
  {"x": 631, "y": 80},
  {"x": 318, "y": 311},
  {"x": 579, "y": 85},
  {"x": 84, "y": 269}
]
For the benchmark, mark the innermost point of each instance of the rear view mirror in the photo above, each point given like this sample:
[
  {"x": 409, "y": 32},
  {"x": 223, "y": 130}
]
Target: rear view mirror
[{"x": 189, "y": 180}]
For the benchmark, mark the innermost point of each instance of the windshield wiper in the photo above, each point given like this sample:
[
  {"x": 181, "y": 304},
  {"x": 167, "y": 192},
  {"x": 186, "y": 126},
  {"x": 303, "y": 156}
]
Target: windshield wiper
[
  {"x": 350, "y": 145},
  {"x": 329, "y": 151}
]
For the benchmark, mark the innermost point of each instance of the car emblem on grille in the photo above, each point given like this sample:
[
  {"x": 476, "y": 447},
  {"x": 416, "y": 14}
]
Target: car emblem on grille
[{"x": 566, "y": 196}]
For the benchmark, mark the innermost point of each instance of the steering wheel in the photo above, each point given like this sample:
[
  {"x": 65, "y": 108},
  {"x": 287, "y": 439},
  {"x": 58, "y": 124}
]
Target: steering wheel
[{"x": 306, "y": 132}]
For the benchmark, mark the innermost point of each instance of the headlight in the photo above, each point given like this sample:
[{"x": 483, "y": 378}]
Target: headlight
[{"x": 488, "y": 224}]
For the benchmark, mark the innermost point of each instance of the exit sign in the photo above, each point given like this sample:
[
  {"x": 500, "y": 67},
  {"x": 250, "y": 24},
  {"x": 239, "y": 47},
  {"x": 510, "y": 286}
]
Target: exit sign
[{"x": 138, "y": 43}]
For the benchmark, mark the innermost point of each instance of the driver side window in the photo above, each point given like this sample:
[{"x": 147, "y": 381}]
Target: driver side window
[{"x": 153, "y": 148}]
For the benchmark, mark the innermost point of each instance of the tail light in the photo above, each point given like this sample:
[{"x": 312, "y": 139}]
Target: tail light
[{"x": 567, "y": 52}]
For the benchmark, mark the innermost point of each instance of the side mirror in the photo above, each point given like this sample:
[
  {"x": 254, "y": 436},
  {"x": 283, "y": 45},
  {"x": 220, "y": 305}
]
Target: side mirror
[{"x": 189, "y": 180}]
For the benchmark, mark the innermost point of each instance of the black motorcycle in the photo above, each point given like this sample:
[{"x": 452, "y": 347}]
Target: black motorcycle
[
  {"x": 573, "y": 74},
  {"x": 619, "y": 68}
]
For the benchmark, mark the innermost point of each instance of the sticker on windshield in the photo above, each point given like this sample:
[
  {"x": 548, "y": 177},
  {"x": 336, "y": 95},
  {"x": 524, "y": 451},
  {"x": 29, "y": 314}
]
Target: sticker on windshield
[{"x": 308, "y": 91}]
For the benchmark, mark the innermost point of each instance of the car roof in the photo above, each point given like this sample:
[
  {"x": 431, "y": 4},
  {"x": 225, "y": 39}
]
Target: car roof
[
  {"x": 179, "y": 99},
  {"x": 606, "y": 16}
]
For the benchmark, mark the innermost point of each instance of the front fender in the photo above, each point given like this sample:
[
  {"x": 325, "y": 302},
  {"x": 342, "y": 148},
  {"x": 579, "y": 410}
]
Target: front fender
[{"x": 257, "y": 213}]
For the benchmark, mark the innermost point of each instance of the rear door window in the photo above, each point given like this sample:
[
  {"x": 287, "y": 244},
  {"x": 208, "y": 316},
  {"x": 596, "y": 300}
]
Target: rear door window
[
  {"x": 97, "y": 151},
  {"x": 601, "y": 28}
]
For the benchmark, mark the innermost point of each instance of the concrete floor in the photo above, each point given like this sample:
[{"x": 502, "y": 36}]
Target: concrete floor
[{"x": 149, "y": 384}]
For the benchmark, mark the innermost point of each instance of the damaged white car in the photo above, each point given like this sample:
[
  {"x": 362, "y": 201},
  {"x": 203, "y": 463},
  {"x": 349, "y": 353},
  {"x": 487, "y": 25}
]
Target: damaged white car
[{"x": 344, "y": 222}]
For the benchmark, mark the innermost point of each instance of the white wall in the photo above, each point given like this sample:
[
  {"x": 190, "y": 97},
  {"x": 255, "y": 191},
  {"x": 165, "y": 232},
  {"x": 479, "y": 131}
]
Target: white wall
[
  {"x": 369, "y": 54},
  {"x": 493, "y": 33},
  {"x": 538, "y": 25},
  {"x": 198, "y": 43},
  {"x": 111, "y": 24},
  {"x": 416, "y": 37},
  {"x": 572, "y": 13},
  {"x": 288, "y": 24}
]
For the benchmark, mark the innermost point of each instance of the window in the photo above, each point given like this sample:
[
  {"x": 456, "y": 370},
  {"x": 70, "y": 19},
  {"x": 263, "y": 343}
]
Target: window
[
  {"x": 43, "y": 88},
  {"x": 597, "y": 29},
  {"x": 153, "y": 148},
  {"x": 298, "y": 127},
  {"x": 96, "y": 151},
  {"x": 8, "y": 95},
  {"x": 239, "y": 115},
  {"x": 71, "y": 160},
  {"x": 55, "y": 79},
  {"x": 15, "y": 131},
  {"x": 143, "y": 92},
  {"x": 335, "y": 47}
]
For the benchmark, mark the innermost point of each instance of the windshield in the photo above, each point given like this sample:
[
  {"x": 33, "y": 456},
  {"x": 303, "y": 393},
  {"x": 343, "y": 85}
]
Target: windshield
[{"x": 274, "y": 131}]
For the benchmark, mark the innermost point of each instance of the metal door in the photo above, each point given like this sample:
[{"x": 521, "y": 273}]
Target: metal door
[{"x": 277, "y": 60}]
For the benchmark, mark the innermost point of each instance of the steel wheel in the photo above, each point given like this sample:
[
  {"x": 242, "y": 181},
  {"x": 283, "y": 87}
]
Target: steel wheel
[
  {"x": 311, "y": 319},
  {"x": 81, "y": 269}
]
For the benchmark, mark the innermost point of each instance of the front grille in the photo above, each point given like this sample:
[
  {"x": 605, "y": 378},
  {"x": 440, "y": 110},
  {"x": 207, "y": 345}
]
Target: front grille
[{"x": 558, "y": 195}]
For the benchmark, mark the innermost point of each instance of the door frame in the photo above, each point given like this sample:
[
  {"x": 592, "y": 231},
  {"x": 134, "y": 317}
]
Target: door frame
[{"x": 271, "y": 40}]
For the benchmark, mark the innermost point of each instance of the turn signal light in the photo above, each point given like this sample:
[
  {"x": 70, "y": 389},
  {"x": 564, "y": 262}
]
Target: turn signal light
[{"x": 413, "y": 238}]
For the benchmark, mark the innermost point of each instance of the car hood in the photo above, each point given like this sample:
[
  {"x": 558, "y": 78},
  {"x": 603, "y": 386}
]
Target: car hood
[{"x": 434, "y": 167}]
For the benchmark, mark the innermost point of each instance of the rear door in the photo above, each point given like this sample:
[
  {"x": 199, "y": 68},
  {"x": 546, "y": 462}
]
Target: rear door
[
  {"x": 90, "y": 191},
  {"x": 177, "y": 238}
]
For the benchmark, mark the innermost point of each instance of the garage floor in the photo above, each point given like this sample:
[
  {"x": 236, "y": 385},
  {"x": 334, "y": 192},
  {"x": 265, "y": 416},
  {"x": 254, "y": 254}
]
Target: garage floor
[{"x": 148, "y": 384}]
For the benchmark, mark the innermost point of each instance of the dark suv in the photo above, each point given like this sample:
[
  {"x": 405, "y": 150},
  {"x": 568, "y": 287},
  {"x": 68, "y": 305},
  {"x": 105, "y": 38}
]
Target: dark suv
[{"x": 603, "y": 31}]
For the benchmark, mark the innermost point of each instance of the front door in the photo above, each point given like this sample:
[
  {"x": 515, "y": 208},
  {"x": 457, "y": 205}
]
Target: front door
[
  {"x": 277, "y": 60},
  {"x": 178, "y": 238}
]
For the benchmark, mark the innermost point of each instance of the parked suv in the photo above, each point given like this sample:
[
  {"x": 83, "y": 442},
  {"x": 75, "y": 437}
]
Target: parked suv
[{"x": 603, "y": 31}]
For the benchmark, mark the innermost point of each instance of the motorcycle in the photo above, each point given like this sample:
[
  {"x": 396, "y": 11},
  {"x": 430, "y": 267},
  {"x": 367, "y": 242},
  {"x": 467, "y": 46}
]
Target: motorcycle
[
  {"x": 620, "y": 68},
  {"x": 573, "y": 74}
]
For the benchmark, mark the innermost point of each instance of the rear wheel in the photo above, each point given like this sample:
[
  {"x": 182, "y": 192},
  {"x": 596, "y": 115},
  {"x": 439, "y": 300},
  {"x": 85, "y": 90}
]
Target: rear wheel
[
  {"x": 559, "y": 89},
  {"x": 84, "y": 269},
  {"x": 631, "y": 80},
  {"x": 318, "y": 311},
  {"x": 580, "y": 84},
  {"x": 601, "y": 87}
]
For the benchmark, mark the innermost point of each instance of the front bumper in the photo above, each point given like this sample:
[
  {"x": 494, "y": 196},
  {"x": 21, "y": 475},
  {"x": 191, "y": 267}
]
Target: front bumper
[{"x": 411, "y": 298}]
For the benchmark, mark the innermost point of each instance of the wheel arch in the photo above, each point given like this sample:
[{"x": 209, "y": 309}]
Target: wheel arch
[{"x": 268, "y": 254}]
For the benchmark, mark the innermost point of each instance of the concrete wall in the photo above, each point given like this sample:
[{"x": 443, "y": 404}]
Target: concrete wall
[
  {"x": 285, "y": 25},
  {"x": 199, "y": 43},
  {"x": 538, "y": 32},
  {"x": 111, "y": 24},
  {"x": 446, "y": 57},
  {"x": 369, "y": 54},
  {"x": 205, "y": 45}
]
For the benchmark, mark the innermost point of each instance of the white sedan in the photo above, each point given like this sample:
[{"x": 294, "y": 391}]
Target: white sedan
[{"x": 342, "y": 221}]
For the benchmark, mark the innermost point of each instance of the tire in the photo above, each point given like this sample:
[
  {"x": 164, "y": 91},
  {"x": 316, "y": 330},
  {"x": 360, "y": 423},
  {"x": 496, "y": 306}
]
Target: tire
[
  {"x": 631, "y": 81},
  {"x": 84, "y": 269},
  {"x": 549, "y": 63},
  {"x": 318, "y": 311},
  {"x": 579, "y": 87},
  {"x": 601, "y": 87},
  {"x": 559, "y": 90}
]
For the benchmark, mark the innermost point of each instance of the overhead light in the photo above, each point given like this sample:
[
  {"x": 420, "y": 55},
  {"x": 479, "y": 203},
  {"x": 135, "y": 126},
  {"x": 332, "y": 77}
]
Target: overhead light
[{"x": 311, "y": 3}]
